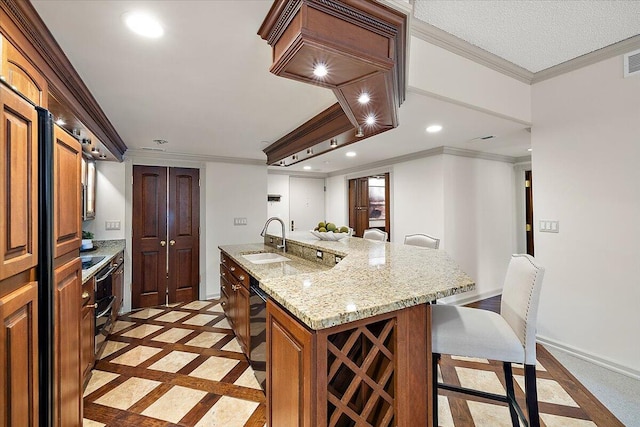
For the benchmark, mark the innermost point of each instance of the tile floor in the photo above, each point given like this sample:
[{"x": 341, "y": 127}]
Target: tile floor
[
  {"x": 182, "y": 366},
  {"x": 174, "y": 366}
]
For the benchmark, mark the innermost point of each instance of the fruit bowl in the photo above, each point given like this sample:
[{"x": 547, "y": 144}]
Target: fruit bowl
[{"x": 329, "y": 235}]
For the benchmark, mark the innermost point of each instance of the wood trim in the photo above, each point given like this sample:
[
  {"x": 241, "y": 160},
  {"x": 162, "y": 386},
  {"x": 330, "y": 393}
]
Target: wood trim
[
  {"x": 23, "y": 27},
  {"x": 329, "y": 123}
]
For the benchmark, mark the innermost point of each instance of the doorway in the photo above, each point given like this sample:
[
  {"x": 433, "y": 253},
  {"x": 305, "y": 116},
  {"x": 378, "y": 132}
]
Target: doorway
[
  {"x": 369, "y": 204},
  {"x": 528, "y": 202},
  {"x": 165, "y": 235},
  {"x": 307, "y": 203}
]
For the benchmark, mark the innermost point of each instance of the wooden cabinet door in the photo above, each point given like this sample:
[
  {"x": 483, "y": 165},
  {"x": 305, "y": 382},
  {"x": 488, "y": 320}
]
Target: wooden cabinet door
[
  {"x": 149, "y": 284},
  {"x": 184, "y": 233},
  {"x": 18, "y": 72},
  {"x": 19, "y": 357},
  {"x": 88, "y": 339},
  {"x": 117, "y": 283},
  {"x": 87, "y": 329},
  {"x": 242, "y": 318},
  {"x": 290, "y": 363},
  {"x": 18, "y": 185},
  {"x": 67, "y": 364},
  {"x": 67, "y": 189}
]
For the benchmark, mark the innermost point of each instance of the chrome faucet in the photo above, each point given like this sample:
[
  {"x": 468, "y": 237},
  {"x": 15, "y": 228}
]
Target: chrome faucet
[{"x": 283, "y": 246}]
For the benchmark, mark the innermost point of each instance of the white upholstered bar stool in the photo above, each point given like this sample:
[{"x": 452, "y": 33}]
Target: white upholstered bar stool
[
  {"x": 509, "y": 337},
  {"x": 375, "y": 234},
  {"x": 423, "y": 240}
]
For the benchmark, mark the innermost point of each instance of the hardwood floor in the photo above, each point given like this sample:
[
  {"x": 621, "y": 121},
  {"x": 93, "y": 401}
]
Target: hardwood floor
[{"x": 182, "y": 366}]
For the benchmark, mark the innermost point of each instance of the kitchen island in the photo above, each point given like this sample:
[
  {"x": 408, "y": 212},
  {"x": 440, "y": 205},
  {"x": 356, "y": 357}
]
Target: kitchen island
[{"x": 348, "y": 329}]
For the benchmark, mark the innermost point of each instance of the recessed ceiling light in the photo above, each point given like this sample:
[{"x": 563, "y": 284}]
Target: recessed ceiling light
[
  {"x": 95, "y": 150},
  {"x": 529, "y": 149},
  {"x": 334, "y": 143},
  {"x": 307, "y": 168},
  {"x": 364, "y": 98},
  {"x": 143, "y": 24},
  {"x": 320, "y": 70},
  {"x": 309, "y": 151},
  {"x": 370, "y": 120},
  {"x": 350, "y": 154},
  {"x": 60, "y": 122},
  {"x": 434, "y": 128}
]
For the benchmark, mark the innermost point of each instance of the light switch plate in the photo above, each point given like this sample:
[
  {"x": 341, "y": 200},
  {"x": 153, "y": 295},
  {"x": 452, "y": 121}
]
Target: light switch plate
[
  {"x": 549, "y": 226},
  {"x": 240, "y": 221},
  {"x": 112, "y": 225}
]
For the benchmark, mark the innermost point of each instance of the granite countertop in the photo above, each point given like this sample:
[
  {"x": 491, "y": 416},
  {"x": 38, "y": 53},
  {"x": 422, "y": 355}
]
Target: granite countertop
[
  {"x": 107, "y": 248},
  {"x": 372, "y": 278}
]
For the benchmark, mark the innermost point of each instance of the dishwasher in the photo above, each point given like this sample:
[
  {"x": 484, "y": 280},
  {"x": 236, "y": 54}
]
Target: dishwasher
[{"x": 258, "y": 330}]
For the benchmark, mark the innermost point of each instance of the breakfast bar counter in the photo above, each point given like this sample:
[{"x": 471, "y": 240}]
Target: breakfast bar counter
[{"x": 347, "y": 328}]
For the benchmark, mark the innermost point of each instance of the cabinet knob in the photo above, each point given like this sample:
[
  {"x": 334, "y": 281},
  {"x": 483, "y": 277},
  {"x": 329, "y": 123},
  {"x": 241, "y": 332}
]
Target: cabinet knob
[
  {"x": 232, "y": 268},
  {"x": 163, "y": 243},
  {"x": 85, "y": 295},
  {"x": 241, "y": 278},
  {"x": 223, "y": 303},
  {"x": 224, "y": 274}
]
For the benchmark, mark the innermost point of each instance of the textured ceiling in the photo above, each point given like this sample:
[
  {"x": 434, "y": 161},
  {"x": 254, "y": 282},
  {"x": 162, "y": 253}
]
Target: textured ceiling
[{"x": 534, "y": 34}]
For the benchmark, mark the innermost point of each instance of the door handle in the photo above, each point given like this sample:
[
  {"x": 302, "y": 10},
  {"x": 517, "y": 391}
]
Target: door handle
[
  {"x": 172, "y": 242},
  {"x": 163, "y": 243}
]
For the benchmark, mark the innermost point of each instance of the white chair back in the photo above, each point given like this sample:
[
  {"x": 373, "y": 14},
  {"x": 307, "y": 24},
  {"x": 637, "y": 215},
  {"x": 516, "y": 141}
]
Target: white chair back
[
  {"x": 423, "y": 240},
  {"x": 520, "y": 298},
  {"x": 375, "y": 234}
]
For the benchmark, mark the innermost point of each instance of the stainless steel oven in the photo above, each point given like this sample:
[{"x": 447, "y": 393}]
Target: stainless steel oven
[
  {"x": 258, "y": 329},
  {"x": 105, "y": 300}
]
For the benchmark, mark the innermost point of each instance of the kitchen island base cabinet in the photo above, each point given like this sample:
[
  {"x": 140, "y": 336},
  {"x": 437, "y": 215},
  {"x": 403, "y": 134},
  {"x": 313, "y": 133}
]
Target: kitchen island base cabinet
[
  {"x": 234, "y": 286},
  {"x": 348, "y": 374}
]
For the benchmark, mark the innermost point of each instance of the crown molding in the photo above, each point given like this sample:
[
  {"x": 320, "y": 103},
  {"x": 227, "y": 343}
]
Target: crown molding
[
  {"x": 297, "y": 174},
  {"x": 134, "y": 154},
  {"x": 619, "y": 48},
  {"x": 452, "y": 151},
  {"x": 441, "y": 38}
]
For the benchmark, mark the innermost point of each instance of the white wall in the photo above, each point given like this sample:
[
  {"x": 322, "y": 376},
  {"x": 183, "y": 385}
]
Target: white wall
[
  {"x": 585, "y": 163},
  {"x": 480, "y": 219},
  {"x": 417, "y": 189},
  {"x": 110, "y": 201},
  {"x": 336, "y": 200},
  {"x": 278, "y": 184},
  {"x": 437, "y": 71},
  {"x": 232, "y": 190}
]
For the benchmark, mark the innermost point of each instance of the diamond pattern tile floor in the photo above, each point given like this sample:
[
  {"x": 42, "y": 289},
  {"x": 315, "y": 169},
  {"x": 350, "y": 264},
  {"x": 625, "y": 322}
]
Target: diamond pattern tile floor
[{"x": 174, "y": 366}]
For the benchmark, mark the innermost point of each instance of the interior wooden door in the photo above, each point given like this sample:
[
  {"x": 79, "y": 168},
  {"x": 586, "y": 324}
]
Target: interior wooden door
[
  {"x": 166, "y": 235},
  {"x": 149, "y": 269},
  {"x": 359, "y": 205},
  {"x": 184, "y": 234},
  {"x": 528, "y": 184}
]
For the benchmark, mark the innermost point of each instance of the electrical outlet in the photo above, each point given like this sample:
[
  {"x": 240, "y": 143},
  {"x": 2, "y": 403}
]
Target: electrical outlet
[
  {"x": 239, "y": 221},
  {"x": 338, "y": 259},
  {"x": 319, "y": 254}
]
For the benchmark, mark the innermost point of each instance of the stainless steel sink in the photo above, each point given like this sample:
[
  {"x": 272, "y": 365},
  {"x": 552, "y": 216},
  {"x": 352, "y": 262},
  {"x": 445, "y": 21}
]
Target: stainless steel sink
[{"x": 265, "y": 258}]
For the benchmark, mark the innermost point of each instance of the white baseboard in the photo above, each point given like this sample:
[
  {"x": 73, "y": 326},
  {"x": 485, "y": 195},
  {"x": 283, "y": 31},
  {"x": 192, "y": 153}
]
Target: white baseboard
[
  {"x": 463, "y": 299},
  {"x": 590, "y": 357},
  {"x": 213, "y": 296}
]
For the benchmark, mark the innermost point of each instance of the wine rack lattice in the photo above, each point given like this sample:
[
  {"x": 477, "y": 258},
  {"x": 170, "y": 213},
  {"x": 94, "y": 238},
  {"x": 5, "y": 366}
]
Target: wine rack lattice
[{"x": 360, "y": 377}]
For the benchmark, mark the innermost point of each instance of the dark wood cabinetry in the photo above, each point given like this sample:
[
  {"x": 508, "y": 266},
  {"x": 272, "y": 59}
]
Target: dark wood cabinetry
[
  {"x": 372, "y": 371},
  {"x": 234, "y": 283},
  {"x": 67, "y": 365},
  {"x": 67, "y": 210},
  {"x": 87, "y": 328},
  {"x": 19, "y": 357},
  {"x": 18, "y": 185},
  {"x": 289, "y": 350}
]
